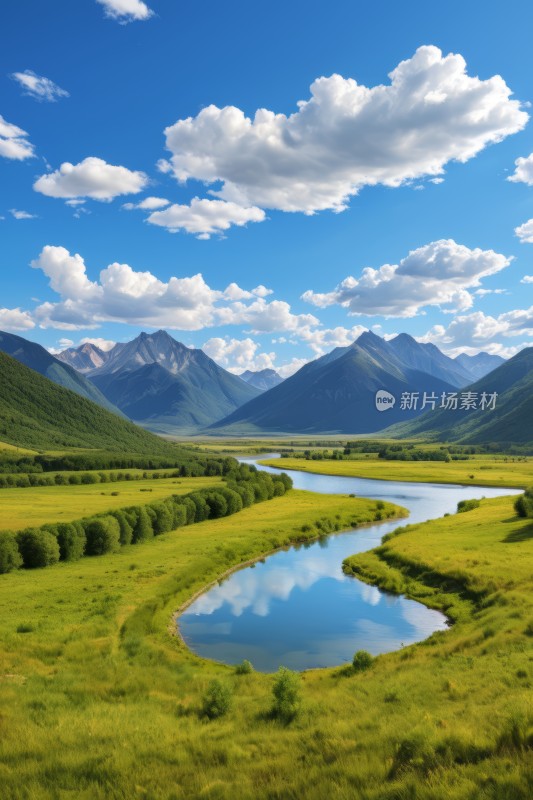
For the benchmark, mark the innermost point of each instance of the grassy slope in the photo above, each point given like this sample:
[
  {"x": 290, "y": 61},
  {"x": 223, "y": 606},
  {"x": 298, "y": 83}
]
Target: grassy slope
[
  {"x": 36, "y": 413},
  {"x": 20, "y": 508},
  {"x": 485, "y": 471},
  {"x": 98, "y": 701}
]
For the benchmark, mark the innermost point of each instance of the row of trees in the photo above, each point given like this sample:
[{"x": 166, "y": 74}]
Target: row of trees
[
  {"x": 25, "y": 481},
  {"x": 106, "y": 533}
]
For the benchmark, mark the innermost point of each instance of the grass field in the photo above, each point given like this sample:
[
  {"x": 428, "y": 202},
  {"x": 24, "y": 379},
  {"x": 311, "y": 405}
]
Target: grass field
[
  {"x": 99, "y": 701},
  {"x": 21, "y": 508},
  {"x": 11, "y": 449},
  {"x": 481, "y": 471}
]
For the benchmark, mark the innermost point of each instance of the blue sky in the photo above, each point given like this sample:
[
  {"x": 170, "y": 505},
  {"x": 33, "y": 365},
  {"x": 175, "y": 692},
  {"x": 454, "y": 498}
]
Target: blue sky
[{"x": 420, "y": 166}]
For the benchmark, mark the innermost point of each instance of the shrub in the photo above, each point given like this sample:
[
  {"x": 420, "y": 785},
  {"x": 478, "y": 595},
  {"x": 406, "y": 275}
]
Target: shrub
[
  {"x": 467, "y": 505},
  {"x": 38, "y": 548},
  {"x": 143, "y": 529},
  {"x": 71, "y": 540},
  {"x": 217, "y": 505},
  {"x": 125, "y": 525},
  {"x": 103, "y": 535},
  {"x": 286, "y": 692},
  {"x": 524, "y": 504},
  {"x": 244, "y": 668},
  {"x": 217, "y": 700},
  {"x": 10, "y": 557},
  {"x": 163, "y": 521},
  {"x": 362, "y": 660},
  {"x": 189, "y": 506},
  {"x": 201, "y": 507},
  {"x": 179, "y": 515}
]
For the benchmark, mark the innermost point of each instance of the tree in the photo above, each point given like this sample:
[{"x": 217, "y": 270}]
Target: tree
[
  {"x": 217, "y": 700},
  {"x": 362, "y": 660},
  {"x": 103, "y": 535},
  {"x": 524, "y": 504},
  {"x": 71, "y": 540},
  {"x": 10, "y": 557},
  {"x": 38, "y": 548},
  {"x": 286, "y": 692},
  {"x": 163, "y": 521},
  {"x": 125, "y": 525},
  {"x": 143, "y": 528}
]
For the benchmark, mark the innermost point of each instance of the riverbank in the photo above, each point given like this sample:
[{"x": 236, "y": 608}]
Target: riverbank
[{"x": 477, "y": 472}]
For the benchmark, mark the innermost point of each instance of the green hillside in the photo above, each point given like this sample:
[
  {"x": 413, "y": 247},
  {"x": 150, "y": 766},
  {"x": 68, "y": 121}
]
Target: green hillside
[{"x": 36, "y": 413}]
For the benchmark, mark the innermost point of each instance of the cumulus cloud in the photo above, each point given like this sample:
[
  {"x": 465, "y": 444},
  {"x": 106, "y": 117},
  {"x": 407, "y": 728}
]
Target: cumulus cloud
[
  {"x": 322, "y": 340},
  {"x": 124, "y": 295},
  {"x": 525, "y": 232},
  {"x": 437, "y": 274},
  {"x": 524, "y": 171},
  {"x": 126, "y": 10},
  {"x": 92, "y": 177},
  {"x": 38, "y": 87},
  {"x": 238, "y": 355},
  {"x": 103, "y": 344},
  {"x": 471, "y": 333},
  {"x": 18, "y": 214},
  {"x": 527, "y": 279},
  {"x": 148, "y": 204},
  {"x": 14, "y": 142},
  {"x": 13, "y": 319},
  {"x": 205, "y": 217},
  {"x": 346, "y": 136}
]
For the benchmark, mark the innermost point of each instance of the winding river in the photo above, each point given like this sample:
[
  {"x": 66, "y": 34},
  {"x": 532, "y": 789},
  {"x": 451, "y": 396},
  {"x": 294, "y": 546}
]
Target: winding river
[{"x": 298, "y": 609}]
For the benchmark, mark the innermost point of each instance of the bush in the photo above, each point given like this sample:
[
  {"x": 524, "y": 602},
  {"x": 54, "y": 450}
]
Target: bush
[
  {"x": 217, "y": 505},
  {"x": 143, "y": 529},
  {"x": 362, "y": 660},
  {"x": 163, "y": 521},
  {"x": 38, "y": 548},
  {"x": 10, "y": 557},
  {"x": 217, "y": 700},
  {"x": 244, "y": 668},
  {"x": 71, "y": 540},
  {"x": 125, "y": 525},
  {"x": 189, "y": 506},
  {"x": 103, "y": 535},
  {"x": 286, "y": 691},
  {"x": 524, "y": 504},
  {"x": 201, "y": 507},
  {"x": 467, "y": 505},
  {"x": 179, "y": 515}
]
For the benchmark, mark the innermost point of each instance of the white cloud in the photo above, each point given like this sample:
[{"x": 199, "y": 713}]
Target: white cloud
[
  {"x": 238, "y": 355},
  {"x": 437, "y": 274},
  {"x": 346, "y": 136},
  {"x": 525, "y": 232},
  {"x": 126, "y": 10},
  {"x": 123, "y": 295},
  {"x": 148, "y": 204},
  {"x": 527, "y": 279},
  {"x": 103, "y": 344},
  {"x": 524, "y": 171},
  {"x": 38, "y": 87},
  {"x": 14, "y": 142},
  {"x": 471, "y": 333},
  {"x": 205, "y": 217},
  {"x": 322, "y": 340},
  {"x": 288, "y": 369},
  {"x": 92, "y": 177},
  {"x": 13, "y": 319},
  {"x": 15, "y": 212}
]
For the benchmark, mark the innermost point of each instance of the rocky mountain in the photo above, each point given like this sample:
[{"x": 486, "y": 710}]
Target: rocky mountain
[
  {"x": 263, "y": 379},
  {"x": 166, "y": 386},
  {"x": 511, "y": 419},
  {"x": 84, "y": 358},
  {"x": 479, "y": 365},
  {"x": 37, "y": 358},
  {"x": 337, "y": 392}
]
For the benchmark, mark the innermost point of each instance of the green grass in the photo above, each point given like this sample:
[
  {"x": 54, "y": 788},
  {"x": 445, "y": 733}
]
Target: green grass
[
  {"x": 99, "y": 700},
  {"x": 22, "y": 508},
  {"x": 481, "y": 471}
]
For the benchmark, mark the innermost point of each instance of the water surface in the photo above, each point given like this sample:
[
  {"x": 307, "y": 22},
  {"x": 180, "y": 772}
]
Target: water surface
[{"x": 298, "y": 609}]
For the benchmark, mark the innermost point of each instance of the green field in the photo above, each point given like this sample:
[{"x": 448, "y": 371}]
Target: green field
[
  {"x": 480, "y": 471},
  {"x": 21, "y": 508},
  {"x": 99, "y": 700}
]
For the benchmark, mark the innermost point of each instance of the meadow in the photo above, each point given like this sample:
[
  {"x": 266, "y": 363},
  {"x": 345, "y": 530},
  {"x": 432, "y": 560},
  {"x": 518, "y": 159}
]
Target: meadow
[
  {"x": 100, "y": 699},
  {"x": 37, "y": 505},
  {"x": 478, "y": 471}
]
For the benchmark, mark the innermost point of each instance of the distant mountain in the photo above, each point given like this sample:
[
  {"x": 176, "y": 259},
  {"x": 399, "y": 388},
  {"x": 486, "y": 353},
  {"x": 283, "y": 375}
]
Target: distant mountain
[
  {"x": 479, "y": 365},
  {"x": 510, "y": 421},
  {"x": 428, "y": 358},
  {"x": 38, "y": 414},
  {"x": 84, "y": 358},
  {"x": 40, "y": 360},
  {"x": 168, "y": 387},
  {"x": 262, "y": 379},
  {"x": 337, "y": 393}
]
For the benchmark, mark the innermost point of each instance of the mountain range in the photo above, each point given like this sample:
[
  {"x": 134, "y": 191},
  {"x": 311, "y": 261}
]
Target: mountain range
[
  {"x": 37, "y": 358},
  {"x": 510, "y": 421},
  {"x": 162, "y": 384},
  {"x": 336, "y": 393},
  {"x": 263, "y": 379}
]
